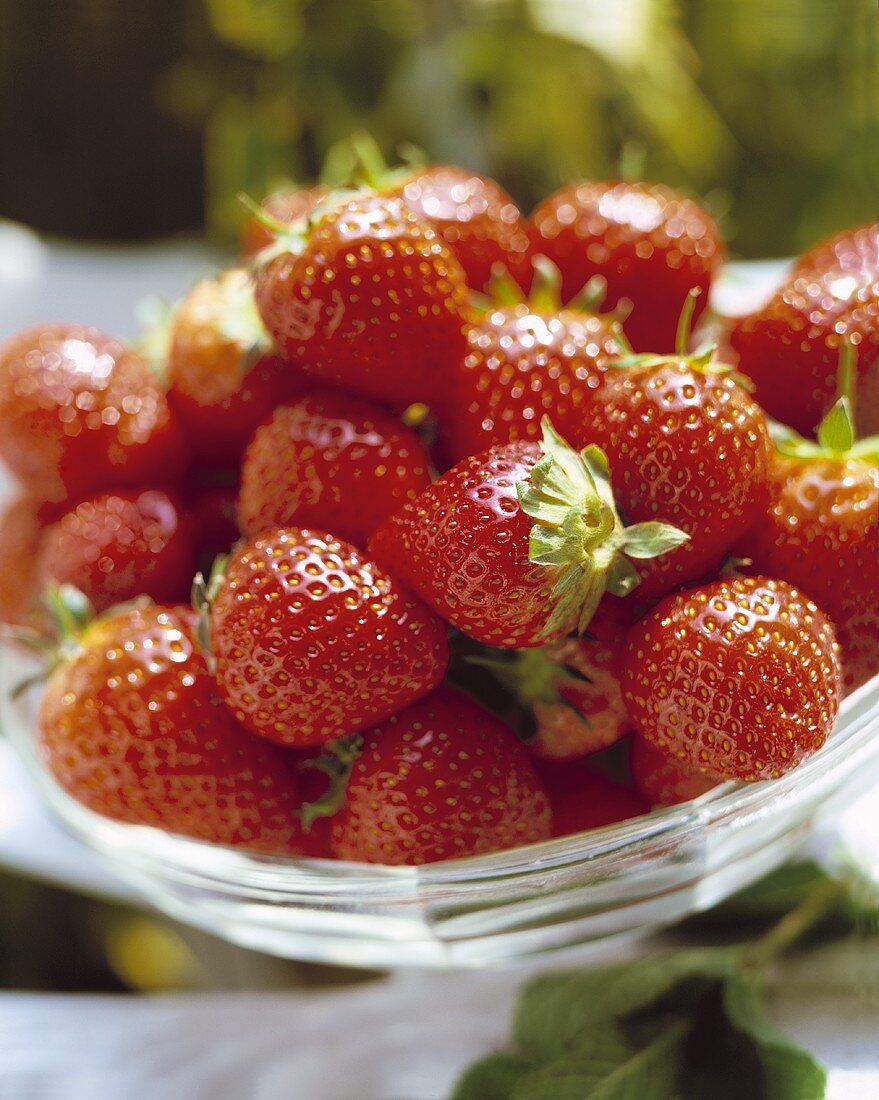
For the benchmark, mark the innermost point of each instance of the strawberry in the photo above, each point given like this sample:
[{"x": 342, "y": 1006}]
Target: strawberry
[
  {"x": 740, "y": 678},
  {"x": 474, "y": 215},
  {"x": 663, "y": 780},
  {"x": 524, "y": 360},
  {"x": 687, "y": 445},
  {"x": 224, "y": 378},
  {"x": 81, "y": 412},
  {"x": 516, "y": 546},
  {"x": 570, "y": 690},
  {"x": 215, "y": 516},
  {"x": 582, "y": 798},
  {"x": 120, "y": 545},
  {"x": 313, "y": 641},
  {"x": 131, "y": 727},
  {"x": 367, "y": 297},
  {"x": 330, "y": 461},
  {"x": 20, "y": 534},
  {"x": 651, "y": 245},
  {"x": 289, "y": 205},
  {"x": 441, "y": 779},
  {"x": 821, "y": 533},
  {"x": 790, "y": 347}
]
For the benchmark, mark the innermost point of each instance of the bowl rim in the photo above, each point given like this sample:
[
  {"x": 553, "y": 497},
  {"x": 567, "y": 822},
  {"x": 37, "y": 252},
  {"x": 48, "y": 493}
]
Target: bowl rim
[{"x": 852, "y": 737}]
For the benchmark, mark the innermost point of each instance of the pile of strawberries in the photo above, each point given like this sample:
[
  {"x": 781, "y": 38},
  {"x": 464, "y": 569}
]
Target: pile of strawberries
[{"x": 493, "y": 565}]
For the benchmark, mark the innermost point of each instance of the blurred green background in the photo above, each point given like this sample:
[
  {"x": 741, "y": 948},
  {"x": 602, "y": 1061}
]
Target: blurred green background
[{"x": 129, "y": 121}]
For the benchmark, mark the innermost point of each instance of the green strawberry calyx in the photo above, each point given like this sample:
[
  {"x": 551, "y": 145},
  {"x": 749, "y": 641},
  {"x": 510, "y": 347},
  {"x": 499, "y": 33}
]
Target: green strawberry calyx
[
  {"x": 837, "y": 432},
  {"x": 545, "y": 296},
  {"x": 336, "y": 763},
  {"x": 204, "y": 592},
  {"x": 292, "y": 237},
  {"x": 578, "y": 532}
]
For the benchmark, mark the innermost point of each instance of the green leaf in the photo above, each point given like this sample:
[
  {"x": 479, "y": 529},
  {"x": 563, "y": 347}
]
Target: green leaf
[
  {"x": 556, "y": 1010},
  {"x": 492, "y": 1078},
  {"x": 601, "y": 1052},
  {"x": 613, "y": 1073},
  {"x": 789, "y": 1072},
  {"x": 649, "y": 540},
  {"x": 836, "y": 432}
]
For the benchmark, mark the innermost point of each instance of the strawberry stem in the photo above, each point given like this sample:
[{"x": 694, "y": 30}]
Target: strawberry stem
[
  {"x": 546, "y": 289},
  {"x": 278, "y": 228},
  {"x": 685, "y": 322},
  {"x": 343, "y": 755}
]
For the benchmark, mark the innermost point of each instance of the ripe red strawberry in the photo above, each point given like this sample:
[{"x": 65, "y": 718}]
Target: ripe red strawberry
[
  {"x": 663, "y": 780},
  {"x": 289, "y": 205},
  {"x": 476, "y": 218},
  {"x": 651, "y": 245},
  {"x": 740, "y": 678},
  {"x": 20, "y": 535},
  {"x": 441, "y": 779},
  {"x": 821, "y": 533},
  {"x": 120, "y": 545},
  {"x": 369, "y": 298},
  {"x": 570, "y": 690},
  {"x": 81, "y": 412},
  {"x": 473, "y": 214},
  {"x": 516, "y": 546},
  {"x": 686, "y": 445},
  {"x": 582, "y": 798},
  {"x": 330, "y": 461},
  {"x": 314, "y": 642},
  {"x": 524, "y": 360},
  {"x": 131, "y": 727},
  {"x": 790, "y": 347},
  {"x": 224, "y": 377}
]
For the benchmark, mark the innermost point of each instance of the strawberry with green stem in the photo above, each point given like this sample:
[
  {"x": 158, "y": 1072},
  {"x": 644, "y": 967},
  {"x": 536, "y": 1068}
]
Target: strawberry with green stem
[
  {"x": 526, "y": 359},
  {"x": 366, "y": 297},
  {"x": 515, "y": 547},
  {"x": 569, "y": 691},
  {"x": 130, "y": 725},
  {"x": 474, "y": 215},
  {"x": 686, "y": 445},
  {"x": 820, "y": 530}
]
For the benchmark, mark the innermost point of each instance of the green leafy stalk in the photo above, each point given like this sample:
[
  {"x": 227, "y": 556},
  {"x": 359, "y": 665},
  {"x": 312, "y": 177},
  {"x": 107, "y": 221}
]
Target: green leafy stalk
[
  {"x": 578, "y": 532},
  {"x": 339, "y": 759}
]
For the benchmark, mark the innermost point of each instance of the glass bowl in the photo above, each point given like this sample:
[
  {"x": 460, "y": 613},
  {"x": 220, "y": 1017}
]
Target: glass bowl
[{"x": 620, "y": 880}]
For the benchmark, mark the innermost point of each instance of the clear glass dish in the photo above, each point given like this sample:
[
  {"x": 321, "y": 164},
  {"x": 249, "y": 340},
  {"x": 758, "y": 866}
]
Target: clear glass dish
[{"x": 620, "y": 880}]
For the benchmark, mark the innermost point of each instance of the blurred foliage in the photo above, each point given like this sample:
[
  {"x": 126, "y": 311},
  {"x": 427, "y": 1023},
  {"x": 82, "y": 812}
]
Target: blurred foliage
[{"x": 769, "y": 108}]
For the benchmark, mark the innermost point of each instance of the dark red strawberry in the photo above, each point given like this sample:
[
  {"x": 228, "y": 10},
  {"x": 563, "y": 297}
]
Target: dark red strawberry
[
  {"x": 369, "y": 298},
  {"x": 686, "y": 445},
  {"x": 289, "y": 205},
  {"x": 790, "y": 347},
  {"x": 473, "y": 214},
  {"x": 330, "y": 461},
  {"x": 120, "y": 545},
  {"x": 663, "y": 780},
  {"x": 81, "y": 412},
  {"x": 821, "y": 533},
  {"x": 740, "y": 678},
  {"x": 215, "y": 516},
  {"x": 524, "y": 360},
  {"x": 20, "y": 534},
  {"x": 516, "y": 546},
  {"x": 313, "y": 641},
  {"x": 131, "y": 727},
  {"x": 582, "y": 798},
  {"x": 441, "y": 779},
  {"x": 224, "y": 377},
  {"x": 570, "y": 690},
  {"x": 651, "y": 245}
]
